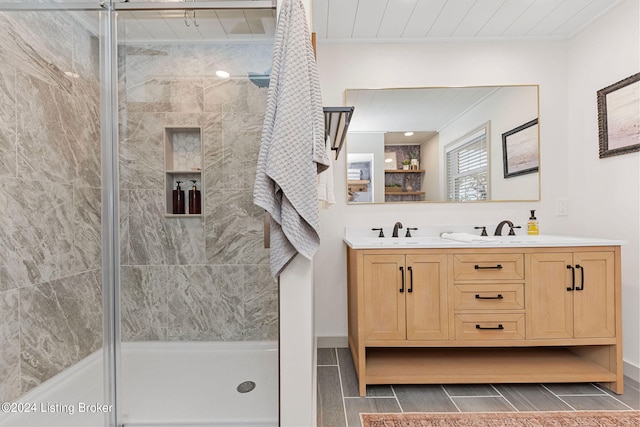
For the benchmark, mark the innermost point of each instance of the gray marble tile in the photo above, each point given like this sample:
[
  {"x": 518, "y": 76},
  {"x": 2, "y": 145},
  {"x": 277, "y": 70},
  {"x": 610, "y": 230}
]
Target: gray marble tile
[
  {"x": 8, "y": 150},
  {"x": 41, "y": 226},
  {"x": 87, "y": 232},
  {"x": 166, "y": 94},
  {"x": 482, "y": 404},
  {"x": 123, "y": 221},
  {"x": 327, "y": 357},
  {"x": 260, "y": 304},
  {"x": 86, "y": 52},
  {"x": 531, "y": 397},
  {"x": 142, "y": 151},
  {"x": 225, "y": 227},
  {"x": 143, "y": 303},
  {"x": 60, "y": 324},
  {"x": 156, "y": 240},
  {"x": 354, "y": 406},
  {"x": 423, "y": 398},
  {"x": 46, "y": 150},
  {"x": 330, "y": 404},
  {"x": 234, "y": 95},
  {"x": 205, "y": 303},
  {"x": 9, "y": 346},
  {"x": 84, "y": 131}
]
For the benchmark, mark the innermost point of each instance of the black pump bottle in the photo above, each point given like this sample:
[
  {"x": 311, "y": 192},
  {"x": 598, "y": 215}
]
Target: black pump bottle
[
  {"x": 178, "y": 199},
  {"x": 195, "y": 206}
]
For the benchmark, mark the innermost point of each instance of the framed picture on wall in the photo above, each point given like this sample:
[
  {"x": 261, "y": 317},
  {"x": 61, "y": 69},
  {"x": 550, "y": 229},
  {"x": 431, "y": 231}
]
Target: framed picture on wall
[
  {"x": 520, "y": 150},
  {"x": 619, "y": 117}
]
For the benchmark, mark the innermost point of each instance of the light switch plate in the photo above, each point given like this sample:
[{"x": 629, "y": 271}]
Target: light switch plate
[{"x": 562, "y": 207}]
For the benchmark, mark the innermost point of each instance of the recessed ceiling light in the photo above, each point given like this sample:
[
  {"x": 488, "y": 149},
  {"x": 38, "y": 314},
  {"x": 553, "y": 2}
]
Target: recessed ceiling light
[
  {"x": 408, "y": 134},
  {"x": 223, "y": 74}
]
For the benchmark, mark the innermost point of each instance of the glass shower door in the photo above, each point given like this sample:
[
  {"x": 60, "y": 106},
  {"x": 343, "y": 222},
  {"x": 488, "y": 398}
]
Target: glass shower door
[
  {"x": 51, "y": 288},
  {"x": 198, "y": 308}
]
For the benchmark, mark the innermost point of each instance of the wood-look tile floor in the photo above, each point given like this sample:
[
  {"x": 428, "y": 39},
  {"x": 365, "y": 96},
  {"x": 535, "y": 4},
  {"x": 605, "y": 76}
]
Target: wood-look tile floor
[{"x": 339, "y": 404}]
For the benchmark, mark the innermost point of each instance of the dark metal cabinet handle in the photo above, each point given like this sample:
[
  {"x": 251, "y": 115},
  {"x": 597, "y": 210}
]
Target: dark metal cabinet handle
[
  {"x": 499, "y": 327},
  {"x": 499, "y": 296},
  {"x": 490, "y": 267},
  {"x": 410, "y": 279},
  {"x": 573, "y": 278},
  {"x": 402, "y": 275},
  {"x": 581, "y": 287}
]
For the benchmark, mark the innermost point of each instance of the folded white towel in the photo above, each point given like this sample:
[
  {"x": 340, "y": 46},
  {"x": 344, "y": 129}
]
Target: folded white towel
[
  {"x": 326, "y": 195},
  {"x": 467, "y": 237},
  {"x": 354, "y": 174}
]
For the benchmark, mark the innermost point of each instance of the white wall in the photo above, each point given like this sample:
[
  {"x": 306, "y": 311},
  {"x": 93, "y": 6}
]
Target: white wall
[
  {"x": 605, "y": 193},
  {"x": 482, "y": 63}
]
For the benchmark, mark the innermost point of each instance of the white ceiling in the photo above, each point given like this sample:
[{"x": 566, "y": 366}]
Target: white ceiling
[
  {"x": 418, "y": 20},
  {"x": 377, "y": 21}
]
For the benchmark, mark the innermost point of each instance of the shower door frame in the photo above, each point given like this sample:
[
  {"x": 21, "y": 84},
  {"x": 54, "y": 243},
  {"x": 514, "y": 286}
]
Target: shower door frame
[{"x": 111, "y": 208}]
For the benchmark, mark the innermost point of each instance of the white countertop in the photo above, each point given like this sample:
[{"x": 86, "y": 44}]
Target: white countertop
[{"x": 366, "y": 239}]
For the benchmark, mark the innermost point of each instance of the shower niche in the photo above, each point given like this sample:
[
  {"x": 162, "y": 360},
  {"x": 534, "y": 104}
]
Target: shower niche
[{"x": 183, "y": 157}]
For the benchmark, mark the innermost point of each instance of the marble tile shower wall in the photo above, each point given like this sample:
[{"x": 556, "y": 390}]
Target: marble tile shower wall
[
  {"x": 50, "y": 277},
  {"x": 196, "y": 279}
]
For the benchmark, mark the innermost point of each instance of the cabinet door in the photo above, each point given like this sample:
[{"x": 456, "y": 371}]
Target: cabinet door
[
  {"x": 594, "y": 297},
  {"x": 550, "y": 308},
  {"x": 426, "y": 297},
  {"x": 384, "y": 305}
]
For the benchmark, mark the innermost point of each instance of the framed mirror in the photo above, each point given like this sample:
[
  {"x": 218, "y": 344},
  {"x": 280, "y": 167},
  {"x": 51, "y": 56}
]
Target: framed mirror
[{"x": 443, "y": 144}]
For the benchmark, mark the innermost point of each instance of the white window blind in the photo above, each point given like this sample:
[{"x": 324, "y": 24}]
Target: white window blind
[{"x": 467, "y": 168}]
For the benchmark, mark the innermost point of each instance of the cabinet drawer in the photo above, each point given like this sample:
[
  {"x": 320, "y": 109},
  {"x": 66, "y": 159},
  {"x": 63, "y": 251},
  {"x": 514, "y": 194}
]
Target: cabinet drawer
[
  {"x": 488, "y": 267},
  {"x": 490, "y": 326},
  {"x": 489, "y": 297}
]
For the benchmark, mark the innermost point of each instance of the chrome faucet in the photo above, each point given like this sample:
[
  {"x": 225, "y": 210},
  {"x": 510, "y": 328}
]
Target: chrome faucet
[
  {"x": 498, "y": 231},
  {"x": 395, "y": 229}
]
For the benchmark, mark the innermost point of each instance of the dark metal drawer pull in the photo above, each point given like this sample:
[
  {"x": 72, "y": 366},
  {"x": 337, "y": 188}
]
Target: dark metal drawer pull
[
  {"x": 499, "y": 327},
  {"x": 410, "y": 279},
  {"x": 492, "y": 267},
  {"x": 499, "y": 296},
  {"x": 402, "y": 275}
]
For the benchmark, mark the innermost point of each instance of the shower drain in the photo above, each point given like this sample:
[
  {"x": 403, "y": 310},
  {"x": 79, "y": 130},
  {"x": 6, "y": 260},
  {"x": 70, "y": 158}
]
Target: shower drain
[{"x": 246, "y": 387}]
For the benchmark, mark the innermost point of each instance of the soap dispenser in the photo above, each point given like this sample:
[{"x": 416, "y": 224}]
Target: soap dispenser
[
  {"x": 178, "y": 199},
  {"x": 195, "y": 206},
  {"x": 532, "y": 224}
]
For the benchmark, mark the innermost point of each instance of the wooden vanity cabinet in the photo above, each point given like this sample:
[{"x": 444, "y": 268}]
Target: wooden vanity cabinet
[
  {"x": 572, "y": 295},
  {"x": 488, "y": 315},
  {"x": 405, "y": 297}
]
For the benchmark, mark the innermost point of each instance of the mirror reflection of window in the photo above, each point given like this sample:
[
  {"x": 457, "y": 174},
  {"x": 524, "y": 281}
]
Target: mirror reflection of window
[{"x": 468, "y": 168}]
